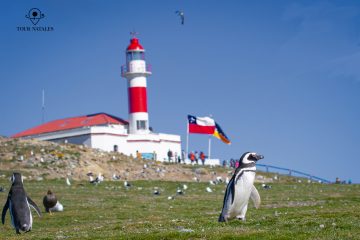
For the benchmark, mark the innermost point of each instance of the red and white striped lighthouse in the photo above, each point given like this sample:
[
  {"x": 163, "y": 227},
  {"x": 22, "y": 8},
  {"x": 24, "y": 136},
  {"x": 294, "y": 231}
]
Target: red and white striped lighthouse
[{"x": 135, "y": 71}]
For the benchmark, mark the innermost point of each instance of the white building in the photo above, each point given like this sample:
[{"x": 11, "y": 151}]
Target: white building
[{"x": 110, "y": 133}]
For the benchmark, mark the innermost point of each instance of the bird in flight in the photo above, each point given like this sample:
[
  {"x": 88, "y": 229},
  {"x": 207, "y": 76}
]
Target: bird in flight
[{"x": 181, "y": 14}]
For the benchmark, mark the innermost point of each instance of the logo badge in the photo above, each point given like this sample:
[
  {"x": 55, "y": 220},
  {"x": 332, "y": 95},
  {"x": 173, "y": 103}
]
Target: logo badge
[{"x": 35, "y": 15}]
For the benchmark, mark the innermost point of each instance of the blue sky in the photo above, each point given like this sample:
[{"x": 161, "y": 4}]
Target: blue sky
[{"x": 280, "y": 77}]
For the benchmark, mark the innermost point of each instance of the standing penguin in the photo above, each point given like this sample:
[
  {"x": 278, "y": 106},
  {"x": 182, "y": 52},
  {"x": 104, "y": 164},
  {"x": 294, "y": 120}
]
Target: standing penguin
[
  {"x": 19, "y": 205},
  {"x": 241, "y": 188}
]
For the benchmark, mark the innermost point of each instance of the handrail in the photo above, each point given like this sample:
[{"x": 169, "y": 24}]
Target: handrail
[{"x": 291, "y": 171}]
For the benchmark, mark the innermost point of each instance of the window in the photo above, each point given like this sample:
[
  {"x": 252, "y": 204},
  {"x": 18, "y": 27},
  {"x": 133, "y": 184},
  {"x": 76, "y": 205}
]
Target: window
[
  {"x": 141, "y": 125},
  {"x": 135, "y": 56},
  {"x": 115, "y": 148}
]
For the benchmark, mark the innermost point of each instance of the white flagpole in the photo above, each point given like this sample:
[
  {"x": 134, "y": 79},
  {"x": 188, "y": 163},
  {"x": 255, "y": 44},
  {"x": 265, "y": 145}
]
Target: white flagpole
[
  {"x": 187, "y": 141},
  {"x": 209, "y": 149}
]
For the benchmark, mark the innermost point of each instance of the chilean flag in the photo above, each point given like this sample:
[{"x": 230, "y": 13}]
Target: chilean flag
[{"x": 202, "y": 125}]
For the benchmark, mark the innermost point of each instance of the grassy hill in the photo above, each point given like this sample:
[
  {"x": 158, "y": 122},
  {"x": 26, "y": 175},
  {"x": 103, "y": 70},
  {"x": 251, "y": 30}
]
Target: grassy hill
[{"x": 291, "y": 209}]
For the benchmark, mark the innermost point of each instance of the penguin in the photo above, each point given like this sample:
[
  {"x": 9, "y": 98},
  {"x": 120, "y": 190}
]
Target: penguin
[
  {"x": 49, "y": 201},
  {"x": 240, "y": 188},
  {"x": 19, "y": 203}
]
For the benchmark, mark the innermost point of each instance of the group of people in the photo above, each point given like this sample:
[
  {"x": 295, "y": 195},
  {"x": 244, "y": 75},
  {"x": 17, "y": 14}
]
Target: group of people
[
  {"x": 196, "y": 156},
  {"x": 193, "y": 156},
  {"x": 233, "y": 163}
]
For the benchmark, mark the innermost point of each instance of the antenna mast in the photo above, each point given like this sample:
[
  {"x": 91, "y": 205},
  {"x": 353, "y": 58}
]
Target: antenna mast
[{"x": 43, "y": 106}]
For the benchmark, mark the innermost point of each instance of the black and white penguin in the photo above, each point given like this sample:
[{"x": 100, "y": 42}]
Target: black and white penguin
[
  {"x": 240, "y": 188},
  {"x": 18, "y": 202}
]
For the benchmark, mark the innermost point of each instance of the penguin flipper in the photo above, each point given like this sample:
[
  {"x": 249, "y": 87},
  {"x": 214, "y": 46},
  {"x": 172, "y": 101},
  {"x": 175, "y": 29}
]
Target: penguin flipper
[
  {"x": 6, "y": 206},
  {"x": 228, "y": 200},
  {"x": 34, "y": 206},
  {"x": 255, "y": 197}
]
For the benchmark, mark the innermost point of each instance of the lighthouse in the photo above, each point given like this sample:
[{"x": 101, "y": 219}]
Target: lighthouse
[
  {"x": 111, "y": 133},
  {"x": 135, "y": 71}
]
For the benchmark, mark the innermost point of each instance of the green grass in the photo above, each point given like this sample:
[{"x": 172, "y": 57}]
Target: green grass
[{"x": 109, "y": 211}]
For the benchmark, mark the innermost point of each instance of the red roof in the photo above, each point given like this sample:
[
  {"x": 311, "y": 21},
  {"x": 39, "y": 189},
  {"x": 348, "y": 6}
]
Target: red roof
[
  {"x": 134, "y": 45},
  {"x": 71, "y": 123}
]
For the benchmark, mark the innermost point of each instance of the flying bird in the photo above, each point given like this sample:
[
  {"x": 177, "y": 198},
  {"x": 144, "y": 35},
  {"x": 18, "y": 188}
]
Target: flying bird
[{"x": 181, "y": 15}]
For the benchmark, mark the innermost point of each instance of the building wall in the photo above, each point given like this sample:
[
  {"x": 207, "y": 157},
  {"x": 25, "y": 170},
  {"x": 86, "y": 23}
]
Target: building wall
[
  {"x": 80, "y": 140},
  {"x": 106, "y": 137},
  {"x": 154, "y": 142},
  {"x": 107, "y": 142}
]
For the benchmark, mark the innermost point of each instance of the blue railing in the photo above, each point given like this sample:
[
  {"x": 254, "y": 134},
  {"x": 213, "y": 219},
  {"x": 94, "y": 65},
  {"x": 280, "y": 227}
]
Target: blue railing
[{"x": 291, "y": 172}]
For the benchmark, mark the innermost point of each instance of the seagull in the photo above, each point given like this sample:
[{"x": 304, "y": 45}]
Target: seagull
[
  {"x": 127, "y": 184},
  {"x": 181, "y": 14},
  {"x": 156, "y": 191},
  {"x": 97, "y": 180},
  {"x": 91, "y": 179},
  {"x": 68, "y": 182},
  {"x": 179, "y": 192},
  {"x": 185, "y": 187},
  {"x": 265, "y": 186},
  {"x": 115, "y": 177},
  {"x": 208, "y": 189},
  {"x": 100, "y": 178},
  {"x": 170, "y": 197}
]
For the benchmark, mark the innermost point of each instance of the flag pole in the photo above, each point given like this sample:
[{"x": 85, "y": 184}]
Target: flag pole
[
  {"x": 209, "y": 148},
  {"x": 187, "y": 141}
]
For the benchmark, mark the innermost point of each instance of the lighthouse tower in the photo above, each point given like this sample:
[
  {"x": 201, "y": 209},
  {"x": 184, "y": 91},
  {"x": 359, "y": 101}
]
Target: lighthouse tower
[{"x": 135, "y": 71}]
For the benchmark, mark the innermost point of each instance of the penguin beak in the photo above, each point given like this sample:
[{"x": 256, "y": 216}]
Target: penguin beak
[{"x": 258, "y": 156}]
